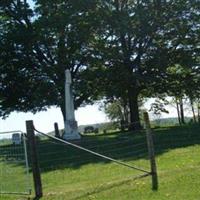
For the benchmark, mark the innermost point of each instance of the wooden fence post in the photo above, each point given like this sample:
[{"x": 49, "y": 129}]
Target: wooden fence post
[
  {"x": 57, "y": 134},
  {"x": 151, "y": 152},
  {"x": 34, "y": 159}
]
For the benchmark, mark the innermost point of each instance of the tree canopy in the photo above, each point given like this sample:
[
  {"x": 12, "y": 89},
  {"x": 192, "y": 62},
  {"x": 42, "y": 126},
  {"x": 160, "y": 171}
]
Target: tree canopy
[
  {"x": 141, "y": 40},
  {"x": 37, "y": 46},
  {"x": 115, "y": 49}
]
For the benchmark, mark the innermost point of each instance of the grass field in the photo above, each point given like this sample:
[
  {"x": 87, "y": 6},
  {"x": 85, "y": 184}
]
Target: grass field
[{"x": 68, "y": 173}]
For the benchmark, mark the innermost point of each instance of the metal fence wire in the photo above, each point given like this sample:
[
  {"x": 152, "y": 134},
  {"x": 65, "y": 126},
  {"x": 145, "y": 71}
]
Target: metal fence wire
[
  {"x": 113, "y": 158},
  {"x": 14, "y": 168}
]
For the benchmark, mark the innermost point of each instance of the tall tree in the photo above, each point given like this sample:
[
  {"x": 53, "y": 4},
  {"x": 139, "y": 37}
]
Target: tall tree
[
  {"x": 141, "y": 40},
  {"x": 37, "y": 46},
  {"x": 127, "y": 44}
]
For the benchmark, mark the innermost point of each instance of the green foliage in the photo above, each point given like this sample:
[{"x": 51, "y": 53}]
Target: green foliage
[
  {"x": 140, "y": 41},
  {"x": 158, "y": 107},
  {"x": 114, "y": 49},
  {"x": 109, "y": 127},
  {"x": 115, "y": 110},
  {"x": 37, "y": 46}
]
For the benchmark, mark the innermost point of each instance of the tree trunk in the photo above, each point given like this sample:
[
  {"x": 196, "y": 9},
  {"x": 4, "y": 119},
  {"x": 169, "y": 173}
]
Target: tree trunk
[
  {"x": 198, "y": 111},
  {"x": 126, "y": 114},
  {"x": 193, "y": 112},
  {"x": 178, "y": 111},
  {"x": 182, "y": 111},
  {"x": 134, "y": 110},
  {"x": 125, "y": 111}
]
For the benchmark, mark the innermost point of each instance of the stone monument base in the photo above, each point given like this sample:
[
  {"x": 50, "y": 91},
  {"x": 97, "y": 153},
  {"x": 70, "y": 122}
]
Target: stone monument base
[{"x": 71, "y": 130}]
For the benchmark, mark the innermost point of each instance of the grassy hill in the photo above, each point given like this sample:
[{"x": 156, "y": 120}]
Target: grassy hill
[
  {"x": 170, "y": 121},
  {"x": 68, "y": 173}
]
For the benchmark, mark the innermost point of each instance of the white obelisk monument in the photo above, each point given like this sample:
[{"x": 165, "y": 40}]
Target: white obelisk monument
[{"x": 71, "y": 128}]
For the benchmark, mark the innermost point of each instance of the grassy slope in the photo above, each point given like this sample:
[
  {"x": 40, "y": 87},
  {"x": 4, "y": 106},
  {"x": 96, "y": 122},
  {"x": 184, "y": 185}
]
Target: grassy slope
[{"x": 178, "y": 161}]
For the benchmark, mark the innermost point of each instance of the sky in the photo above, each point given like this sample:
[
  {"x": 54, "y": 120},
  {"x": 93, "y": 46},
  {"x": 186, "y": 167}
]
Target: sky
[
  {"x": 30, "y": 3},
  {"x": 44, "y": 121}
]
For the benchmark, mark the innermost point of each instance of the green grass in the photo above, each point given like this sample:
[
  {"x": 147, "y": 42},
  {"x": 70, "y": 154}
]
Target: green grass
[
  {"x": 68, "y": 173},
  {"x": 13, "y": 173}
]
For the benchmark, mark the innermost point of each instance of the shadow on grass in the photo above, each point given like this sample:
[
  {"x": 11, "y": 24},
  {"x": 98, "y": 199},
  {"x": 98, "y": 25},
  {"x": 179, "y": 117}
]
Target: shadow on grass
[
  {"x": 109, "y": 186},
  {"x": 121, "y": 146}
]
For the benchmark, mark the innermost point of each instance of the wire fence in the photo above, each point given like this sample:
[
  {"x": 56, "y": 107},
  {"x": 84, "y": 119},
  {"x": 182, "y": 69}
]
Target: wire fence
[
  {"x": 94, "y": 147},
  {"x": 176, "y": 138},
  {"x": 99, "y": 162},
  {"x": 92, "y": 163},
  {"x": 65, "y": 166},
  {"x": 14, "y": 169}
]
